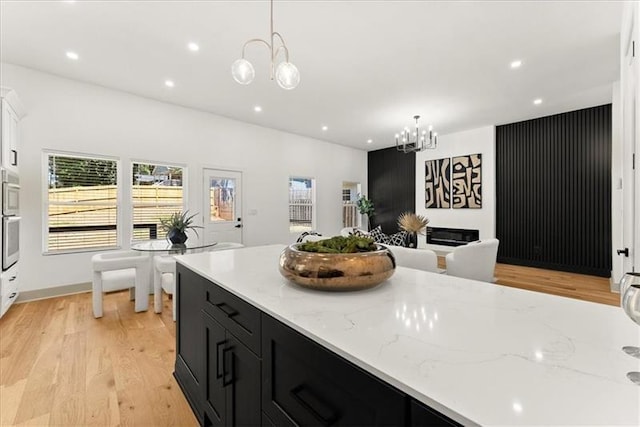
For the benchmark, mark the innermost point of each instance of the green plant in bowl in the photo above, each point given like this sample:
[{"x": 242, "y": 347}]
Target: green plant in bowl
[
  {"x": 177, "y": 225},
  {"x": 340, "y": 245}
]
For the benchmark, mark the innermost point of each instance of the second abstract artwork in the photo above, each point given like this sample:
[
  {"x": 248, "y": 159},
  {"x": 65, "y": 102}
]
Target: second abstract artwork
[{"x": 466, "y": 181}]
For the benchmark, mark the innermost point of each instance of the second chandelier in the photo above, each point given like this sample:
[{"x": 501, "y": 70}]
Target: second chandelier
[{"x": 411, "y": 142}]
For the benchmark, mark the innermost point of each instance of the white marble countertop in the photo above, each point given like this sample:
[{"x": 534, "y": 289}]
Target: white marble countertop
[{"x": 480, "y": 353}]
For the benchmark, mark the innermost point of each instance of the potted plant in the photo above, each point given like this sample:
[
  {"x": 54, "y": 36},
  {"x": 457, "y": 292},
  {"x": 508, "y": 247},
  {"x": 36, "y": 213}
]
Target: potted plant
[
  {"x": 177, "y": 225},
  {"x": 365, "y": 207},
  {"x": 412, "y": 224}
]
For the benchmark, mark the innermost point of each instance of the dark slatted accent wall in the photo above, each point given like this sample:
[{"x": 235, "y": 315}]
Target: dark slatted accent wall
[
  {"x": 553, "y": 195},
  {"x": 392, "y": 186}
]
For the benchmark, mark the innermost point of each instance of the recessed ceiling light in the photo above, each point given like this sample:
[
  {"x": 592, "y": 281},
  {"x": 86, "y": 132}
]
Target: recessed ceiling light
[
  {"x": 72, "y": 55},
  {"x": 257, "y": 108},
  {"x": 325, "y": 127},
  {"x": 369, "y": 141},
  {"x": 516, "y": 64},
  {"x": 169, "y": 83},
  {"x": 193, "y": 47},
  {"x": 537, "y": 101}
]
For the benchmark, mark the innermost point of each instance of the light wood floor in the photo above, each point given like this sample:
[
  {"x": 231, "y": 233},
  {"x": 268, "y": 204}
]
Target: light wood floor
[
  {"x": 60, "y": 366},
  {"x": 571, "y": 285},
  {"x": 579, "y": 286}
]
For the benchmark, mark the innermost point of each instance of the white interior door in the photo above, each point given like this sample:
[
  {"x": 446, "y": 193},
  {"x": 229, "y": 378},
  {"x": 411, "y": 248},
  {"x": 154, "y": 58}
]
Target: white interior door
[
  {"x": 222, "y": 205},
  {"x": 631, "y": 183}
]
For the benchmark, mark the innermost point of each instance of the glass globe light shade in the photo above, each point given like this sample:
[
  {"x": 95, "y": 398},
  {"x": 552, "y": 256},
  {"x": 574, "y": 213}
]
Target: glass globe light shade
[
  {"x": 287, "y": 75},
  {"x": 242, "y": 71}
]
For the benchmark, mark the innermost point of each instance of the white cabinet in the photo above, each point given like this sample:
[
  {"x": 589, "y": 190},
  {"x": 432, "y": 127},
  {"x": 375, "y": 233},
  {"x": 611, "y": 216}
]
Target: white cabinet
[
  {"x": 12, "y": 112},
  {"x": 8, "y": 288}
]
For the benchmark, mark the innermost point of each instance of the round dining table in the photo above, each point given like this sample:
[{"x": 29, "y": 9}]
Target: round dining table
[{"x": 164, "y": 246}]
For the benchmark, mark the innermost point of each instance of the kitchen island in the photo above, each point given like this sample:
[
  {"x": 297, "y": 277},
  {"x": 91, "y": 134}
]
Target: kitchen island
[{"x": 466, "y": 351}]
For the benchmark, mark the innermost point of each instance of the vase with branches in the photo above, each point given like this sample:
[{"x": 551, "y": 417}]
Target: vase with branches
[{"x": 413, "y": 224}]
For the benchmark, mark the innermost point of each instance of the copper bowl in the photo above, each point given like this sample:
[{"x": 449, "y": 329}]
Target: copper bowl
[{"x": 337, "y": 272}]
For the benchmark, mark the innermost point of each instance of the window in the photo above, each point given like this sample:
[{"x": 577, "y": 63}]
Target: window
[
  {"x": 81, "y": 203},
  {"x": 301, "y": 204},
  {"x": 156, "y": 192},
  {"x": 350, "y": 215}
]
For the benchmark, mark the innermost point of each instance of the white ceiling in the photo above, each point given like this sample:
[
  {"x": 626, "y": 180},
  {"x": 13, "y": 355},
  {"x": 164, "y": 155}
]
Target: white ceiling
[{"x": 366, "y": 66}]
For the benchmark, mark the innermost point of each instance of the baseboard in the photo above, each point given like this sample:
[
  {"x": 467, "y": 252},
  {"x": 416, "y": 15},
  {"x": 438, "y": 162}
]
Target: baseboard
[
  {"x": 613, "y": 285},
  {"x": 57, "y": 291}
]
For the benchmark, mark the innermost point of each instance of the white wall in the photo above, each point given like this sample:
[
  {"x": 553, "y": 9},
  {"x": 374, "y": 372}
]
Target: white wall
[
  {"x": 481, "y": 140},
  {"x": 71, "y": 116}
]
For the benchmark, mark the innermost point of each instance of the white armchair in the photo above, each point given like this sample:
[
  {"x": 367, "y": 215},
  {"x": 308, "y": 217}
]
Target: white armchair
[
  {"x": 164, "y": 275},
  {"x": 118, "y": 270},
  {"x": 420, "y": 259},
  {"x": 475, "y": 260}
]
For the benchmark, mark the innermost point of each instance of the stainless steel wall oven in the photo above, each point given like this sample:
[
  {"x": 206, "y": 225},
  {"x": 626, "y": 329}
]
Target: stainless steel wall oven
[{"x": 10, "y": 219}]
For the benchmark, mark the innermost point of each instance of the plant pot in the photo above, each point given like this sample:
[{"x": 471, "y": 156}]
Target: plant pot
[
  {"x": 411, "y": 240},
  {"x": 337, "y": 272},
  {"x": 177, "y": 236}
]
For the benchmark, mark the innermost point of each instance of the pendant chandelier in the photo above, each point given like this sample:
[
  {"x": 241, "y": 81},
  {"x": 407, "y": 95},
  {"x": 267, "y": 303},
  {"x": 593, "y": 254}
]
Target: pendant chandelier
[
  {"x": 286, "y": 74},
  {"x": 409, "y": 142}
]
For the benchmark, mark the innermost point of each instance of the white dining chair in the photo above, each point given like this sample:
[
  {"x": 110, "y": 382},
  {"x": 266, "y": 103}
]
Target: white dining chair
[
  {"x": 119, "y": 270},
  {"x": 164, "y": 275},
  {"x": 475, "y": 260}
]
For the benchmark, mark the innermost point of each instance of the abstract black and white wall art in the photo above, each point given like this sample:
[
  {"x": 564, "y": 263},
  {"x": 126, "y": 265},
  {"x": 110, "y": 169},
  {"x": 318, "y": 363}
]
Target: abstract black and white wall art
[
  {"x": 436, "y": 183},
  {"x": 466, "y": 181}
]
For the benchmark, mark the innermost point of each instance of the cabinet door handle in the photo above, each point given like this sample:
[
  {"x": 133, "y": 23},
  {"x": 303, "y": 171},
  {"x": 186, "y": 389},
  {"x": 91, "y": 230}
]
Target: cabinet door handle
[
  {"x": 315, "y": 405},
  {"x": 14, "y": 162},
  {"x": 219, "y": 358},
  {"x": 229, "y": 311},
  {"x": 226, "y": 382}
]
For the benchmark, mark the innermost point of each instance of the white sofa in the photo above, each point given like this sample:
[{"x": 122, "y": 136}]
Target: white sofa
[{"x": 420, "y": 259}]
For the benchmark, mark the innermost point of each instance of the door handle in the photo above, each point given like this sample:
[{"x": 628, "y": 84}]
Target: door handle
[
  {"x": 226, "y": 382},
  {"x": 315, "y": 405},
  {"x": 229, "y": 311},
  {"x": 14, "y": 162},
  {"x": 219, "y": 358},
  {"x": 238, "y": 225},
  {"x": 624, "y": 252}
]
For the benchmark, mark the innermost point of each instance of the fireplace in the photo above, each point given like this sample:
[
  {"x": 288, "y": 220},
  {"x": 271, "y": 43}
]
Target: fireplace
[{"x": 451, "y": 236}]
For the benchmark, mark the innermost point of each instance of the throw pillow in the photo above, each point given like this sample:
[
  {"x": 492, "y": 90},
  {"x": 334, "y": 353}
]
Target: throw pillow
[
  {"x": 358, "y": 232},
  {"x": 378, "y": 236},
  {"x": 398, "y": 239}
]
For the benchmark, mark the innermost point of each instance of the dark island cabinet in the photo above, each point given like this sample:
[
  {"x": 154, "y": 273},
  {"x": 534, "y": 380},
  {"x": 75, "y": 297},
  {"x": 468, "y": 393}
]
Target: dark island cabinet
[
  {"x": 217, "y": 370},
  {"x": 307, "y": 385},
  {"x": 189, "y": 368},
  {"x": 423, "y": 416},
  {"x": 238, "y": 366},
  {"x": 231, "y": 388}
]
